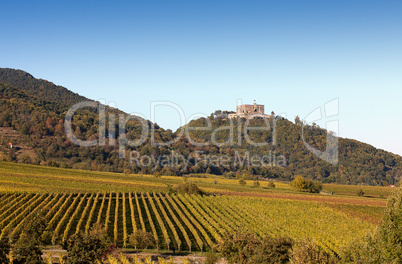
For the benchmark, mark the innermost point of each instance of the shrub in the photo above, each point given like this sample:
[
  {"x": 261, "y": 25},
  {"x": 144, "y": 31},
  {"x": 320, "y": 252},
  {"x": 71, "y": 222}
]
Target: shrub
[
  {"x": 360, "y": 192},
  {"x": 4, "y": 249},
  {"x": 256, "y": 184},
  {"x": 229, "y": 175},
  {"x": 273, "y": 250},
  {"x": 307, "y": 251},
  {"x": 188, "y": 187},
  {"x": 211, "y": 258},
  {"x": 271, "y": 185},
  {"x": 242, "y": 182},
  {"x": 314, "y": 186},
  {"x": 239, "y": 246}
]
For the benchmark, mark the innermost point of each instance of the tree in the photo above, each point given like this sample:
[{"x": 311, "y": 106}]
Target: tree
[
  {"x": 303, "y": 185},
  {"x": 314, "y": 186},
  {"x": 273, "y": 250},
  {"x": 239, "y": 246},
  {"x": 360, "y": 192},
  {"x": 27, "y": 248},
  {"x": 141, "y": 240},
  {"x": 299, "y": 183},
  {"x": 88, "y": 248},
  {"x": 4, "y": 249},
  {"x": 384, "y": 245},
  {"x": 297, "y": 121}
]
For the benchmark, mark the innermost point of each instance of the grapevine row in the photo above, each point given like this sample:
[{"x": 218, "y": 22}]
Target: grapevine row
[
  {"x": 7, "y": 201},
  {"x": 109, "y": 207},
  {"x": 215, "y": 214},
  {"x": 177, "y": 221},
  {"x": 150, "y": 220},
  {"x": 17, "y": 206},
  {"x": 125, "y": 235},
  {"x": 186, "y": 221},
  {"x": 91, "y": 213},
  {"x": 47, "y": 208},
  {"x": 208, "y": 221},
  {"x": 72, "y": 218},
  {"x": 20, "y": 217},
  {"x": 84, "y": 213},
  {"x": 169, "y": 222},
  {"x": 132, "y": 213},
  {"x": 160, "y": 221},
  {"x": 59, "y": 212},
  {"x": 193, "y": 220},
  {"x": 101, "y": 208},
  {"x": 139, "y": 212},
  {"x": 64, "y": 219},
  {"x": 19, "y": 226},
  {"x": 116, "y": 219}
]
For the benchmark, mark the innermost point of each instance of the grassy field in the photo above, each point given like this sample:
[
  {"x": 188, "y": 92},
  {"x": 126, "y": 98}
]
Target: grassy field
[{"x": 75, "y": 199}]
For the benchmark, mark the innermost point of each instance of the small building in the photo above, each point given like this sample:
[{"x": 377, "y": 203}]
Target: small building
[{"x": 247, "y": 111}]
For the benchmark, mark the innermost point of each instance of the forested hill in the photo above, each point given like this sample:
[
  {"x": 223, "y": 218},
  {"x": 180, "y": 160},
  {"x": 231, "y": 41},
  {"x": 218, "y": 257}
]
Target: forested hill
[
  {"x": 38, "y": 87},
  {"x": 32, "y": 116},
  {"x": 358, "y": 162}
]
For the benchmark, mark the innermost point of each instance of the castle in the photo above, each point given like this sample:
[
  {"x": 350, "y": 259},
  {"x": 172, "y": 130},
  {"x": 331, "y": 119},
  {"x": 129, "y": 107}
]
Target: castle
[{"x": 246, "y": 111}]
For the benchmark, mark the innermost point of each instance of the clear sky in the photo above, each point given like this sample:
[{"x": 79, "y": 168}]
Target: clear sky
[{"x": 291, "y": 56}]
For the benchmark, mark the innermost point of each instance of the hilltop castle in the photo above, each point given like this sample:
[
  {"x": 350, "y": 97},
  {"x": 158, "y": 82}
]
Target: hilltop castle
[{"x": 246, "y": 111}]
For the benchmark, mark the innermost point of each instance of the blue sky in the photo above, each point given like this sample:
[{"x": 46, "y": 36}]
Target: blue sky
[{"x": 291, "y": 56}]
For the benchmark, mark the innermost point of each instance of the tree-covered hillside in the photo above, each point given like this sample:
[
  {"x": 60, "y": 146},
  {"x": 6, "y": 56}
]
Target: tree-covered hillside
[
  {"x": 39, "y": 87},
  {"x": 32, "y": 118},
  {"x": 358, "y": 162}
]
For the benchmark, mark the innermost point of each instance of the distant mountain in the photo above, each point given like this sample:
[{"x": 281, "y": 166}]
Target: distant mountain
[{"x": 32, "y": 113}]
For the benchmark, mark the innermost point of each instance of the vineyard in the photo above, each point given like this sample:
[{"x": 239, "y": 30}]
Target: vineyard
[
  {"x": 187, "y": 222},
  {"x": 16, "y": 177}
]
